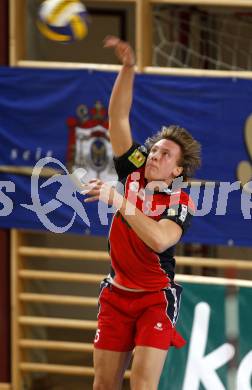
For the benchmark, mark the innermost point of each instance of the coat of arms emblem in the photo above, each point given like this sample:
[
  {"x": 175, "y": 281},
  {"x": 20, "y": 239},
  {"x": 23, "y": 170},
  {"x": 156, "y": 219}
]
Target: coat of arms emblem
[{"x": 89, "y": 146}]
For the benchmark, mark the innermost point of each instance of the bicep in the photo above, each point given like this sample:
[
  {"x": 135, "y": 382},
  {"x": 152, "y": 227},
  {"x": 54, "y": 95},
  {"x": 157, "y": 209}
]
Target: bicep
[
  {"x": 171, "y": 232},
  {"x": 120, "y": 136}
]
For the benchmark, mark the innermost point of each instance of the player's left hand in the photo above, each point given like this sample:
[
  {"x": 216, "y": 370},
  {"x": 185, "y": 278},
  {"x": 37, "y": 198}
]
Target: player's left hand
[{"x": 99, "y": 191}]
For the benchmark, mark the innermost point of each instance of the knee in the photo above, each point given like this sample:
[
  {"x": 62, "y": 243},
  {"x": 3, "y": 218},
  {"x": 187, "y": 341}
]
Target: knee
[
  {"x": 141, "y": 382},
  {"x": 102, "y": 384}
]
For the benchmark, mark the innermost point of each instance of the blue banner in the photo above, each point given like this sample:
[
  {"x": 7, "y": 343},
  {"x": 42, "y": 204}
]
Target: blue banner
[{"x": 56, "y": 120}]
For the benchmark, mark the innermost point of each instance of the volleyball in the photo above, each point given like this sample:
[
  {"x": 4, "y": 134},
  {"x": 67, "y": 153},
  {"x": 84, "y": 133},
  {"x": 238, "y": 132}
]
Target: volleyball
[{"x": 63, "y": 20}]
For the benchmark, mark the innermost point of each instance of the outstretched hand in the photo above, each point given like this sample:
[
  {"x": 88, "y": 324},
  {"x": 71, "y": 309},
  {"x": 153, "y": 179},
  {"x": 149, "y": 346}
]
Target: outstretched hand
[
  {"x": 96, "y": 190},
  {"x": 123, "y": 50}
]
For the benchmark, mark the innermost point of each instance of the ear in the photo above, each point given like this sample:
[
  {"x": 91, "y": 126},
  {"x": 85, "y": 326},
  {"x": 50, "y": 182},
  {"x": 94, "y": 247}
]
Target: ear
[{"x": 177, "y": 171}]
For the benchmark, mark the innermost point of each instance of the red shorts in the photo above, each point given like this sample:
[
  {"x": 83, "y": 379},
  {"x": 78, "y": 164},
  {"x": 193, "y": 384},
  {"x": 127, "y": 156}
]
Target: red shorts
[{"x": 127, "y": 319}]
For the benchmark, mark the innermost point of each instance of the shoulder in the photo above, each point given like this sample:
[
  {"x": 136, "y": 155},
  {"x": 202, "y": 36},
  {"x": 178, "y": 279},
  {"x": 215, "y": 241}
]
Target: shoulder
[{"x": 132, "y": 160}]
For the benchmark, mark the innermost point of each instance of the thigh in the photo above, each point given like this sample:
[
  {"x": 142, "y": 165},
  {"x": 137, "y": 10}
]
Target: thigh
[
  {"x": 155, "y": 327},
  {"x": 109, "y": 368},
  {"x": 147, "y": 367},
  {"x": 116, "y": 328}
]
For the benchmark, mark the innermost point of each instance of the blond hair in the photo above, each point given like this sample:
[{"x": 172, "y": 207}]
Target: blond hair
[{"x": 190, "y": 158}]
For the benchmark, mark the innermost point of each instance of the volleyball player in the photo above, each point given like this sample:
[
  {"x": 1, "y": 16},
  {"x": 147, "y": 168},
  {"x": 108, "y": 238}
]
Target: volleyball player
[{"x": 139, "y": 301}]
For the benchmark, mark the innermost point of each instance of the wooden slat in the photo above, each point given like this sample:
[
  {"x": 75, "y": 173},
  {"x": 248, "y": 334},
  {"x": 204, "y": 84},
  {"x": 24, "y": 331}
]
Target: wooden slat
[
  {"x": 5, "y": 386},
  {"x": 57, "y": 253},
  {"x": 196, "y": 72},
  {"x": 102, "y": 255},
  {"x": 55, "y": 345},
  {"x": 214, "y": 263},
  {"x": 215, "y": 281},
  {"x": 57, "y": 369},
  {"x": 147, "y": 69},
  {"x": 68, "y": 65},
  {"x": 58, "y": 299},
  {"x": 207, "y": 280},
  {"x": 57, "y": 322},
  {"x": 60, "y": 369},
  {"x": 218, "y": 3},
  {"x": 28, "y": 171},
  {"x": 16, "y": 287},
  {"x": 60, "y": 276},
  {"x": 188, "y": 279}
]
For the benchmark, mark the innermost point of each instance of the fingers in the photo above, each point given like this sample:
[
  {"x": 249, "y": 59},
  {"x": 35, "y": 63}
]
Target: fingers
[
  {"x": 111, "y": 41},
  {"x": 93, "y": 190},
  {"x": 93, "y": 194},
  {"x": 92, "y": 186},
  {"x": 91, "y": 199},
  {"x": 98, "y": 181},
  {"x": 123, "y": 49},
  {"x": 114, "y": 42},
  {"x": 97, "y": 190}
]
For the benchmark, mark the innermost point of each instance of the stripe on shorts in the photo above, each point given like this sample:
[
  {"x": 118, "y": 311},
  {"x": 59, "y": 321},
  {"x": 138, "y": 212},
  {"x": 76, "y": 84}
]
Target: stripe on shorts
[{"x": 173, "y": 298}]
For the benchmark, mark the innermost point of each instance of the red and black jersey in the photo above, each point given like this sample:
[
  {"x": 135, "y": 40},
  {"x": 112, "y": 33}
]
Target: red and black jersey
[{"x": 133, "y": 264}]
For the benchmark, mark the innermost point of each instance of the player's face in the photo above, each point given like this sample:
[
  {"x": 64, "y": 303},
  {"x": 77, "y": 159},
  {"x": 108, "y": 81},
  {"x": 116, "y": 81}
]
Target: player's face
[{"x": 162, "y": 162}]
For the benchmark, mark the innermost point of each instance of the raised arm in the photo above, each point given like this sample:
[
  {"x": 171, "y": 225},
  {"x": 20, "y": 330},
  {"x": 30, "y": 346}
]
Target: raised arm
[{"x": 121, "y": 97}]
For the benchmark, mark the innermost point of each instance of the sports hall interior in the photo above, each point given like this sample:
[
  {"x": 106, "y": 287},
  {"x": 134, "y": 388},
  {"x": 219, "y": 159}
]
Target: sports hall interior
[{"x": 50, "y": 282}]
